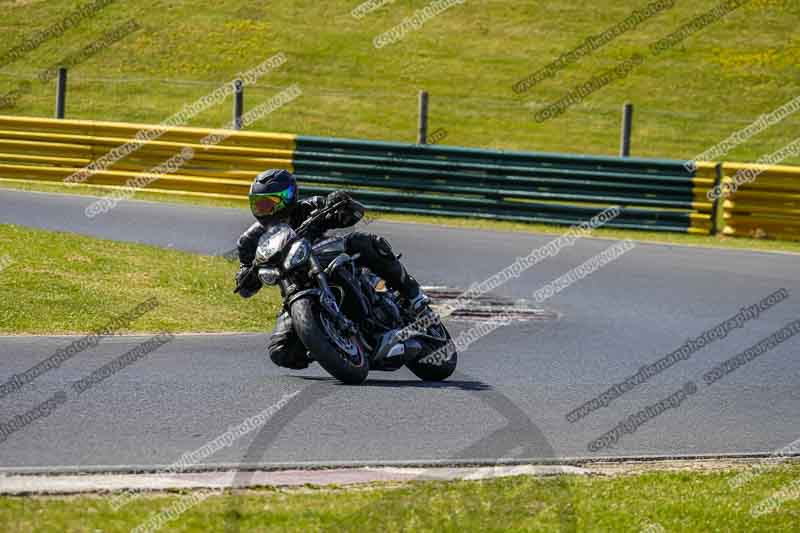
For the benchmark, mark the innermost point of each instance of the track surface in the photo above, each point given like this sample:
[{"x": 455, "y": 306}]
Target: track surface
[{"x": 514, "y": 388}]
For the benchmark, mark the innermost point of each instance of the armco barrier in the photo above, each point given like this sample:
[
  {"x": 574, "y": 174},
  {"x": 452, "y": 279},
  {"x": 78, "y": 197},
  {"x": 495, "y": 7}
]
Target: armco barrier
[
  {"x": 765, "y": 203},
  {"x": 435, "y": 180},
  {"x": 527, "y": 186}
]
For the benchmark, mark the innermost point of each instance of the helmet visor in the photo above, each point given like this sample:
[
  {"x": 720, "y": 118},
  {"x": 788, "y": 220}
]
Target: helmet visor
[{"x": 266, "y": 204}]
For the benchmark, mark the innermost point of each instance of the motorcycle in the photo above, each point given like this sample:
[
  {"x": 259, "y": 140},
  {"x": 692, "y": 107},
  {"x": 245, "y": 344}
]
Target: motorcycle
[{"x": 344, "y": 314}]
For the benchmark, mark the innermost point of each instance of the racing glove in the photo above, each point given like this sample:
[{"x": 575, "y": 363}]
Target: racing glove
[
  {"x": 347, "y": 215},
  {"x": 247, "y": 281}
]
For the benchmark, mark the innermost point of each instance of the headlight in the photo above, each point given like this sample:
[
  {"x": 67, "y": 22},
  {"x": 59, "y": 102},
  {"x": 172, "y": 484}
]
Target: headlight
[
  {"x": 269, "y": 276},
  {"x": 272, "y": 242},
  {"x": 298, "y": 254}
]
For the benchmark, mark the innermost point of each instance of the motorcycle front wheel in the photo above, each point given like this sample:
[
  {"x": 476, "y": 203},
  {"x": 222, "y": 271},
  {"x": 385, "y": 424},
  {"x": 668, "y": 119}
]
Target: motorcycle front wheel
[{"x": 341, "y": 356}]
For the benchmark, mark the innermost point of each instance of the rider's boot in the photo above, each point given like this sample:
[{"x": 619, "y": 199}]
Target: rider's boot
[{"x": 419, "y": 304}]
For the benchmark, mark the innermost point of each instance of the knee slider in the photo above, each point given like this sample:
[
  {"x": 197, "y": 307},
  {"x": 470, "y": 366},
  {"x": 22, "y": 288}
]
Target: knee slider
[{"x": 288, "y": 355}]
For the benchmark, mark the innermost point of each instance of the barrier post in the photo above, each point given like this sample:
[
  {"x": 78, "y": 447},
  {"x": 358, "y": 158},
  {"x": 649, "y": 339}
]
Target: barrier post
[
  {"x": 238, "y": 104},
  {"x": 715, "y": 219},
  {"x": 422, "y": 134},
  {"x": 627, "y": 126},
  {"x": 61, "y": 92}
]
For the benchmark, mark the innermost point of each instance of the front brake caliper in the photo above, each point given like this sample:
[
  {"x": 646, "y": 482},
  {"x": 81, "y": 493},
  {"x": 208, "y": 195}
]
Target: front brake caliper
[{"x": 342, "y": 323}]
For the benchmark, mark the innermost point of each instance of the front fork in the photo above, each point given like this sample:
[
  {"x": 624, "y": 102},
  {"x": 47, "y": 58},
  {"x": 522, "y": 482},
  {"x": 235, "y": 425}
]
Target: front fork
[{"x": 327, "y": 300}]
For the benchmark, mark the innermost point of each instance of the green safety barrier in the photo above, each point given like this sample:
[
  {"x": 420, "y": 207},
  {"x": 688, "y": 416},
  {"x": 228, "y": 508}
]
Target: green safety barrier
[{"x": 652, "y": 194}]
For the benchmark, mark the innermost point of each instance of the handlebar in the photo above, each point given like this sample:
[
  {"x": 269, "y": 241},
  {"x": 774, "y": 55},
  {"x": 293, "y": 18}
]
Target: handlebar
[
  {"x": 316, "y": 216},
  {"x": 300, "y": 232}
]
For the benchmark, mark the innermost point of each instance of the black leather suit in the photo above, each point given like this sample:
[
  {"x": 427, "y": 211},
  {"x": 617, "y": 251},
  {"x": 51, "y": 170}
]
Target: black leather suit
[{"x": 285, "y": 348}]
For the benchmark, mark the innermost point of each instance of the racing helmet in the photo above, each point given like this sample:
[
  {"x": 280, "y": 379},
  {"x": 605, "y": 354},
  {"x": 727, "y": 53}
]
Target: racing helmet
[{"x": 273, "y": 195}]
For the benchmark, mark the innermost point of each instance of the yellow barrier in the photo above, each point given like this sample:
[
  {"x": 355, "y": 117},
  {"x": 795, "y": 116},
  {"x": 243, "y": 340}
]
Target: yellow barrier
[
  {"x": 42, "y": 149},
  {"x": 765, "y": 202},
  {"x": 93, "y": 128},
  {"x": 761, "y": 201},
  {"x": 707, "y": 175}
]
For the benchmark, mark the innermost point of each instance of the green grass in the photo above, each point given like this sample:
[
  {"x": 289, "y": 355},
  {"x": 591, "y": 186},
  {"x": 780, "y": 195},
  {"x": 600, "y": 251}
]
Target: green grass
[
  {"x": 675, "y": 501},
  {"x": 65, "y": 283},
  {"x": 687, "y": 100},
  {"x": 679, "y": 239}
]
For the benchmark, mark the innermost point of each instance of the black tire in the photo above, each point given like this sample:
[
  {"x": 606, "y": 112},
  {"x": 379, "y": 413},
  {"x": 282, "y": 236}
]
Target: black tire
[
  {"x": 445, "y": 368},
  {"x": 349, "y": 367}
]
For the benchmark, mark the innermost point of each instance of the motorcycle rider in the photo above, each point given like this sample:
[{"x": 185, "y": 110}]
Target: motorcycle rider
[{"x": 274, "y": 198}]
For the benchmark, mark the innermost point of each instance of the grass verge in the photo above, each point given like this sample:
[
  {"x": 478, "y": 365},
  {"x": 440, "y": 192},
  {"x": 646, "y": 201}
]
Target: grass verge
[
  {"x": 688, "y": 99},
  {"x": 54, "y": 282},
  {"x": 654, "y": 502},
  {"x": 680, "y": 239}
]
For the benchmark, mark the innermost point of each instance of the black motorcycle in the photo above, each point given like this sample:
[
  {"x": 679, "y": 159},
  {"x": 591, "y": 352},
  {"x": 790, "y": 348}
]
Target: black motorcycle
[{"x": 344, "y": 314}]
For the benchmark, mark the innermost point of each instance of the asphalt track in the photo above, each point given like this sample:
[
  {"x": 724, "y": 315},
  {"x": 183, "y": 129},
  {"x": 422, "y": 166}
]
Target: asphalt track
[{"x": 508, "y": 401}]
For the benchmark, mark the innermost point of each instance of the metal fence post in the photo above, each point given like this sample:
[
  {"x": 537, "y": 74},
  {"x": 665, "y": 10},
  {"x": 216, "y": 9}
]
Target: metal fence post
[
  {"x": 422, "y": 134},
  {"x": 61, "y": 92},
  {"x": 717, "y": 222},
  {"x": 627, "y": 126},
  {"x": 238, "y": 104}
]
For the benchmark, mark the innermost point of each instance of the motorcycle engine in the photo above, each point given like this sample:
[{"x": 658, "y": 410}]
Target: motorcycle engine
[{"x": 386, "y": 312}]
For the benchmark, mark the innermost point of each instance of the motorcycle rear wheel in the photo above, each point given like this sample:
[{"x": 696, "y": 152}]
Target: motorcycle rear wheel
[{"x": 447, "y": 361}]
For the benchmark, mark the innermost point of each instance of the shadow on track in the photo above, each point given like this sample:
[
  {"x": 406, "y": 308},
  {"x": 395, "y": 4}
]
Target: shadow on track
[{"x": 406, "y": 383}]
